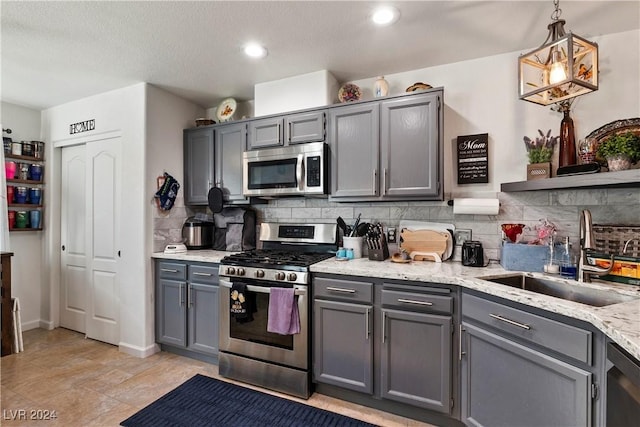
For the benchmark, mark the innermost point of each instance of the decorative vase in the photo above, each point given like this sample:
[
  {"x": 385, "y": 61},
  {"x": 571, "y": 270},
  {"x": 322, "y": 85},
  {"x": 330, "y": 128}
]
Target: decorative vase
[
  {"x": 619, "y": 162},
  {"x": 380, "y": 87},
  {"x": 567, "y": 141}
]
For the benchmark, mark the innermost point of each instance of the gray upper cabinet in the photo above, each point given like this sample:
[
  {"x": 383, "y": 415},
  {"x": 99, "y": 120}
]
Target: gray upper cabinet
[
  {"x": 388, "y": 150},
  {"x": 230, "y": 142},
  {"x": 411, "y": 151},
  {"x": 305, "y": 127},
  {"x": 354, "y": 141},
  {"x": 284, "y": 130},
  {"x": 264, "y": 133},
  {"x": 198, "y": 154}
]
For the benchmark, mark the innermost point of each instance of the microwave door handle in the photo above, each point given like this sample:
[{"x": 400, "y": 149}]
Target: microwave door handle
[
  {"x": 259, "y": 289},
  {"x": 300, "y": 172}
]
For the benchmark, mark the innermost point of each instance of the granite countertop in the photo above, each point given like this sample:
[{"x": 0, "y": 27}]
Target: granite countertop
[
  {"x": 202, "y": 255},
  {"x": 621, "y": 322}
]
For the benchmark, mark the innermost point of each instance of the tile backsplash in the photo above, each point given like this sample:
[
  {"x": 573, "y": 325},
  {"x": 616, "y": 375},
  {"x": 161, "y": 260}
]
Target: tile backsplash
[{"x": 561, "y": 207}]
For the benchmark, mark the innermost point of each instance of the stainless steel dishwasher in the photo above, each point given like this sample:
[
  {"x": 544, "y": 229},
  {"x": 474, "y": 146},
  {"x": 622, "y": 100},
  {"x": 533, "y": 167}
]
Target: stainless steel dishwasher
[{"x": 623, "y": 388}]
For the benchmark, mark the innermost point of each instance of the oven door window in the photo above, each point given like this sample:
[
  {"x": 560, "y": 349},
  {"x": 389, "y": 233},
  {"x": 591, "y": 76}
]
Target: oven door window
[
  {"x": 272, "y": 174},
  {"x": 256, "y": 330}
]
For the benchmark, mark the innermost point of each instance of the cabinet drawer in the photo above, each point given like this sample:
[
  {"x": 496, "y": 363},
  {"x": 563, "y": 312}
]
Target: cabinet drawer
[
  {"x": 172, "y": 270},
  {"x": 565, "y": 339},
  {"x": 413, "y": 301},
  {"x": 346, "y": 290},
  {"x": 203, "y": 274}
]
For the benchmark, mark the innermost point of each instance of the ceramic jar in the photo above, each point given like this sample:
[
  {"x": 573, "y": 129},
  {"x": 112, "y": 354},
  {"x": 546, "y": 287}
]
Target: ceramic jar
[{"x": 380, "y": 87}]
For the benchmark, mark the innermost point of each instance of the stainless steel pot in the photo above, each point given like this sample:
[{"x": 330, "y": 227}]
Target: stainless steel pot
[{"x": 197, "y": 234}]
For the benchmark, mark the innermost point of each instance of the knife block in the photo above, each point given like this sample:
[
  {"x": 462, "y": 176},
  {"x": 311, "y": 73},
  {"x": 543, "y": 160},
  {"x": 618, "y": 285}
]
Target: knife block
[{"x": 378, "y": 249}]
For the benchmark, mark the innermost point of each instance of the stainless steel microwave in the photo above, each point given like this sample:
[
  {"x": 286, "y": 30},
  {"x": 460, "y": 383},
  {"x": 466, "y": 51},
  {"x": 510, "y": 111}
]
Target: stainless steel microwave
[{"x": 294, "y": 170}]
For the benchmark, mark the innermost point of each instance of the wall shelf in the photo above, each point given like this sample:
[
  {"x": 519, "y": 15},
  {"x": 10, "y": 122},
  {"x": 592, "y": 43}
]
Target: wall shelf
[{"x": 628, "y": 178}]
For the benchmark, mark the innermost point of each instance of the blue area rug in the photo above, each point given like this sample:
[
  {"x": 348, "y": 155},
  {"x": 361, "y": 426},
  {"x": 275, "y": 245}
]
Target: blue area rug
[{"x": 204, "y": 401}]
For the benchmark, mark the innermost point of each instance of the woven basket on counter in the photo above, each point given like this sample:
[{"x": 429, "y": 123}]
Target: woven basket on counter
[{"x": 611, "y": 239}]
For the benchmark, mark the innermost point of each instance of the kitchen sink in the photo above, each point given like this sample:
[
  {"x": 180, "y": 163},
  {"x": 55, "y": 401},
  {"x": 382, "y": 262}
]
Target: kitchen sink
[{"x": 563, "y": 290}]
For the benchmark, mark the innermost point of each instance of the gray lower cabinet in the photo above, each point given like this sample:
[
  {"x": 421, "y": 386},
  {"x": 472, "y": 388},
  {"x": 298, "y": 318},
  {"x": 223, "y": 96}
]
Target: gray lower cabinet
[
  {"x": 187, "y": 306},
  {"x": 397, "y": 145},
  {"x": 510, "y": 379},
  {"x": 198, "y": 165},
  {"x": 387, "y": 340},
  {"x": 416, "y": 359},
  {"x": 343, "y": 345}
]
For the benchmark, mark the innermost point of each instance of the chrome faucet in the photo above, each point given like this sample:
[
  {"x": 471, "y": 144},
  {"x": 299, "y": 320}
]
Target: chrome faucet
[{"x": 586, "y": 270}]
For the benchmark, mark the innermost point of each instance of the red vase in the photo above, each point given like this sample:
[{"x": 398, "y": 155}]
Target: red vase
[{"x": 567, "y": 141}]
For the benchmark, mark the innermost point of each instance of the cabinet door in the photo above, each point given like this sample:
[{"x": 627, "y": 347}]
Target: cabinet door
[
  {"x": 230, "y": 142},
  {"x": 354, "y": 137},
  {"x": 411, "y": 147},
  {"x": 264, "y": 133},
  {"x": 203, "y": 318},
  {"x": 507, "y": 384},
  {"x": 343, "y": 345},
  {"x": 198, "y": 165},
  {"x": 171, "y": 312},
  {"x": 305, "y": 127},
  {"x": 416, "y": 359}
]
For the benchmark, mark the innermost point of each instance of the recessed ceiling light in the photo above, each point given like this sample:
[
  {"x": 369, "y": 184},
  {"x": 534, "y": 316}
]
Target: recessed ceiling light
[
  {"x": 254, "y": 50},
  {"x": 385, "y": 15}
]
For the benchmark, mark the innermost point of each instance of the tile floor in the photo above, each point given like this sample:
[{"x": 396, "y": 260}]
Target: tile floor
[{"x": 89, "y": 383}]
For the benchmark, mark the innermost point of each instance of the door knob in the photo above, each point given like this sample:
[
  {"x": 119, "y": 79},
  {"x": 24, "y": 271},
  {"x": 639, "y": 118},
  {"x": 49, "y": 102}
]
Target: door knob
[{"x": 63, "y": 248}]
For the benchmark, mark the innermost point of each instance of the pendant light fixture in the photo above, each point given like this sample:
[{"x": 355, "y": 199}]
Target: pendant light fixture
[{"x": 565, "y": 66}]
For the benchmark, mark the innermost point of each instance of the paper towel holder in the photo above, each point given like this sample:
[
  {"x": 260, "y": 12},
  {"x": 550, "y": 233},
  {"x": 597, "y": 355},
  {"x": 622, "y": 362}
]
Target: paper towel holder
[{"x": 450, "y": 203}]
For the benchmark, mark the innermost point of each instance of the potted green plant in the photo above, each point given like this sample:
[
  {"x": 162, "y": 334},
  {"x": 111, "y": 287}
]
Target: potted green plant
[
  {"x": 620, "y": 150},
  {"x": 540, "y": 152}
]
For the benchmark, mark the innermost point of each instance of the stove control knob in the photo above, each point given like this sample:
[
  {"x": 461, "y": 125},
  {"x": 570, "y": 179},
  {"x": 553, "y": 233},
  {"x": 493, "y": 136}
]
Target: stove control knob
[
  {"x": 240, "y": 271},
  {"x": 259, "y": 274},
  {"x": 280, "y": 276},
  {"x": 292, "y": 277},
  {"x": 231, "y": 270}
]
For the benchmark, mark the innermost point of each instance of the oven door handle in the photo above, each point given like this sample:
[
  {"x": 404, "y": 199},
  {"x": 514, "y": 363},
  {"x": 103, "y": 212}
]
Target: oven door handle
[{"x": 259, "y": 289}]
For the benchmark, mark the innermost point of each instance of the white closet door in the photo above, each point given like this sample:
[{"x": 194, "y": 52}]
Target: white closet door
[
  {"x": 102, "y": 240},
  {"x": 73, "y": 287}
]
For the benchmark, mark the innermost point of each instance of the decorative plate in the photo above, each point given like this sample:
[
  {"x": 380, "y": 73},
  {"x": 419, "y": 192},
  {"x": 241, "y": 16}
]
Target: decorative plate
[
  {"x": 418, "y": 86},
  {"x": 615, "y": 127},
  {"x": 225, "y": 110},
  {"x": 349, "y": 93}
]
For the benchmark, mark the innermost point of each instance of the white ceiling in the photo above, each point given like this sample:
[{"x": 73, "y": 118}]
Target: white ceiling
[{"x": 56, "y": 52}]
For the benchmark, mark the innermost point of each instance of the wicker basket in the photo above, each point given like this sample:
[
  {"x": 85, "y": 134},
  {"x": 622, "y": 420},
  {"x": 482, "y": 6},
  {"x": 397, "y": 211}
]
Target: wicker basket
[{"x": 611, "y": 239}]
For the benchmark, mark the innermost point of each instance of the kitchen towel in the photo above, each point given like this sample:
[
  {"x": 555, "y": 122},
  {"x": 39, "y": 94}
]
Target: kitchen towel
[
  {"x": 284, "y": 317},
  {"x": 242, "y": 303},
  {"x": 168, "y": 192}
]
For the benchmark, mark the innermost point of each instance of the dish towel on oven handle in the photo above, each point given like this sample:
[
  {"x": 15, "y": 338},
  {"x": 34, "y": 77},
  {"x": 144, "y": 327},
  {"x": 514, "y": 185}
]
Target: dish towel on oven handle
[
  {"x": 284, "y": 317},
  {"x": 242, "y": 303}
]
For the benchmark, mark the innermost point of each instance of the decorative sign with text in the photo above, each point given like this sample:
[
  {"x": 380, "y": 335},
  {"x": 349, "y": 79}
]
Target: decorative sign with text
[
  {"x": 473, "y": 159},
  {"x": 80, "y": 127}
]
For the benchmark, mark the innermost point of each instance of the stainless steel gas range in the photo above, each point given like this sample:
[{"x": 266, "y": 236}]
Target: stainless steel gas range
[{"x": 248, "y": 351}]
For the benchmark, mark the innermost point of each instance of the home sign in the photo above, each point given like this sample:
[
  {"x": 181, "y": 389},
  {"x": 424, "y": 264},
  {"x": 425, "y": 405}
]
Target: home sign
[{"x": 80, "y": 127}]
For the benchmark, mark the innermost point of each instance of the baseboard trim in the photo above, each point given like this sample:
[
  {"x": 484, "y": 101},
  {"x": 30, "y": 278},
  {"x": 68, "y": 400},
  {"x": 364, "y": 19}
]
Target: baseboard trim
[
  {"x": 140, "y": 352},
  {"x": 44, "y": 324}
]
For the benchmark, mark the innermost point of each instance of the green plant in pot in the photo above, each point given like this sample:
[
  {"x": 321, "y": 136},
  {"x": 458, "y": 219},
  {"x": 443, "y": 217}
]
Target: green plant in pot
[
  {"x": 540, "y": 150},
  {"x": 620, "y": 150}
]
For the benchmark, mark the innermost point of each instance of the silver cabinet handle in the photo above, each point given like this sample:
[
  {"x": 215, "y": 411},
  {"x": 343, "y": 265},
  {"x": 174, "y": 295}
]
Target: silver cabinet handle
[
  {"x": 366, "y": 325},
  {"x": 460, "y": 352},
  {"x": 197, "y": 273},
  {"x": 168, "y": 270},
  {"x": 384, "y": 329},
  {"x": 180, "y": 299},
  {"x": 375, "y": 182},
  {"x": 509, "y": 321},
  {"x": 416, "y": 302},
  {"x": 289, "y": 131},
  {"x": 384, "y": 181},
  {"x": 343, "y": 290}
]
